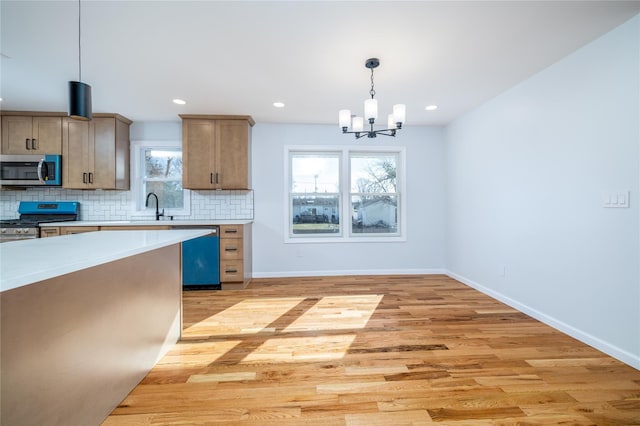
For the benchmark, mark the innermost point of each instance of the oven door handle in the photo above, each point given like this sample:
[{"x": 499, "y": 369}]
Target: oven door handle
[{"x": 43, "y": 165}]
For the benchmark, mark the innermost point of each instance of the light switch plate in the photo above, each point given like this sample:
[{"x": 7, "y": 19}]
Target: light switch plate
[{"x": 616, "y": 199}]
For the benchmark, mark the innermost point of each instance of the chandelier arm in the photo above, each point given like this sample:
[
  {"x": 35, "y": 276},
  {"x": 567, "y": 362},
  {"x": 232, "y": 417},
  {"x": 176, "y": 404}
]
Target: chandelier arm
[
  {"x": 391, "y": 133},
  {"x": 372, "y": 133}
]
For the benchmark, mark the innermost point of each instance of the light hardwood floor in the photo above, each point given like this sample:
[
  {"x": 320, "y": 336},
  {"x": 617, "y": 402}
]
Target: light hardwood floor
[{"x": 375, "y": 350}]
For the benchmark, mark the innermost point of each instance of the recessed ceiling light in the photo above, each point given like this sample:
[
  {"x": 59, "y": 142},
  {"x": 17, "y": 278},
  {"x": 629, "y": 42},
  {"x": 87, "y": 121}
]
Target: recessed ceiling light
[
  {"x": 431, "y": 107},
  {"x": 278, "y": 104},
  {"x": 179, "y": 102}
]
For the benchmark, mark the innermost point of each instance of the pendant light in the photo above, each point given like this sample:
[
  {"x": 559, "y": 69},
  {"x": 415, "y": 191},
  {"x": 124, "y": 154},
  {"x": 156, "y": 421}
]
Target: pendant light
[{"x": 79, "y": 92}]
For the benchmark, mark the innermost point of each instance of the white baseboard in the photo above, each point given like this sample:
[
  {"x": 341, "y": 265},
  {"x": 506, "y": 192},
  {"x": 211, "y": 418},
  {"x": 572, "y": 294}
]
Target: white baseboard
[
  {"x": 609, "y": 349},
  {"x": 289, "y": 274}
]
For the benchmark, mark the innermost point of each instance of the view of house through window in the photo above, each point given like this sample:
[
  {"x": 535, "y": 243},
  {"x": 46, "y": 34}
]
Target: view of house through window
[
  {"x": 344, "y": 193},
  {"x": 315, "y": 193},
  {"x": 374, "y": 193}
]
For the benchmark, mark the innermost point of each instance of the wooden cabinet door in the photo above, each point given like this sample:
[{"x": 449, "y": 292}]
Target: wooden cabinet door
[
  {"x": 102, "y": 158},
  {"x": 232, "y": 154},
  {"x": 31, "y": 135},
  {"x": 47, "y": 132},
  {"x": 198, "y": 141},
  {"x": 77, "y": 145},
  {"x": 69, "y": 230},
  {"x": 16, "y": 134},
  {"x": 95, "y": 153},
  {"x": 49, "y": 231}
]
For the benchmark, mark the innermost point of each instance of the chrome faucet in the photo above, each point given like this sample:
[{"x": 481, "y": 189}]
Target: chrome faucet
[{"x": 146, "y": 204}]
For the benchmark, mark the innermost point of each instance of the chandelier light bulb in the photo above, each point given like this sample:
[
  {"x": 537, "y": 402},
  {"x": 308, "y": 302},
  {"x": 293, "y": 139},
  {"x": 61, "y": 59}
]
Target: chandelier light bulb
[
  {"x": 344, "y": 118},
  {"x": 371, "y": 109},
  {"x": 358, "y": 124},
  {"x": 400, "y": 114},
  {"x": 391, "y": 122}
]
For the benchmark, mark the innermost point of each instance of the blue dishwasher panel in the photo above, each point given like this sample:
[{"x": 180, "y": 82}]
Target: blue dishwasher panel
[{"x": 200, "y": 261}]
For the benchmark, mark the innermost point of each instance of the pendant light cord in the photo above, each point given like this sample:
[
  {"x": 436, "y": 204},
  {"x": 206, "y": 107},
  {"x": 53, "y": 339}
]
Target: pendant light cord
[{"x": 79, "y": 47}]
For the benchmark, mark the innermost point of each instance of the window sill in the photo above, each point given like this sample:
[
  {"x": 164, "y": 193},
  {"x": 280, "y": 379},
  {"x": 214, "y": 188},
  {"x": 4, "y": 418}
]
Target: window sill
[{"x": 340, "y": 240}]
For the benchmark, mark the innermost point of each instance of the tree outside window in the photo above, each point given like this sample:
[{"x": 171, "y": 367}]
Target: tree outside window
[
  {"x": 374, "y": 194},
  {"x": 163, "y": 176}
]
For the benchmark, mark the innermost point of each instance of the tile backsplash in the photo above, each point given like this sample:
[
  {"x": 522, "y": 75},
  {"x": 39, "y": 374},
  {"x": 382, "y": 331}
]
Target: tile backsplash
[{"x": 117, "y": 205}]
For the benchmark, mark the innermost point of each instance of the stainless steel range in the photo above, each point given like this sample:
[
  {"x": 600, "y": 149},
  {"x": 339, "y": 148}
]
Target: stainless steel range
[{"x": 34, "y": 213}]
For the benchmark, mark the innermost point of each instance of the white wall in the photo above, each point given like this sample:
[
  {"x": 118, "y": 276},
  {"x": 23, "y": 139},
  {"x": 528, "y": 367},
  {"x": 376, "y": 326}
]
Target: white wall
[
  {"x": 526, "y": 176},
  {"x": 423, "y": 251}
]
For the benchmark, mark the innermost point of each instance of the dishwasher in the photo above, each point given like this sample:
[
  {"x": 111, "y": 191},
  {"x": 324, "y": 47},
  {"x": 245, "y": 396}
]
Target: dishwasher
[{"x": 201, "y": 260}]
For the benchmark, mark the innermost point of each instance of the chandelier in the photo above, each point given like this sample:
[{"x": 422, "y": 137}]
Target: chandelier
[{"x": 394, "y": 121}]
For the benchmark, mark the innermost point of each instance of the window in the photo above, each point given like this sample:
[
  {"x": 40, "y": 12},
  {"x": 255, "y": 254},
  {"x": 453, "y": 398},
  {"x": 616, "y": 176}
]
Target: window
[
  {"x": 374, "y": 193},
  {"x": 315, "y": 193},
  {"x": 157, "y": 168},
  {"x": 348, "y": 194}
]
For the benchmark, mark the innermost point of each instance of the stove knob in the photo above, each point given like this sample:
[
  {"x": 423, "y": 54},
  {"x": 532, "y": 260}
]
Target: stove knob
[
  {"x": 3, "y": 231},
  {"x": 25, "y": 230}
]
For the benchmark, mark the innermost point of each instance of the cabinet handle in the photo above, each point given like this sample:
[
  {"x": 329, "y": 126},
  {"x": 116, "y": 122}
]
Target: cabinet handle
[
  {"x": 84, "y": 178},
  {"x": 33, "y": 144},
  {"x": 230, "y": 231},
  {"x": 211, "y": 178},
  {"x": 90, "y": 177},
  {"x": 26, "y": 143},
  {"x": 217, "y": 180},
  {"x": 231, "y": 271},
  {"x": 231, "y": 249}
]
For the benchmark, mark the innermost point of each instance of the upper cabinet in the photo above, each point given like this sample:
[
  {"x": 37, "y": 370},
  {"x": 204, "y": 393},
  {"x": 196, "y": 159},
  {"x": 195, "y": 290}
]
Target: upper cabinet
[
  {"x": 96, "y": 152},
  {"x": 31, "y": 133},
  {"x": 216, "y": 151}
]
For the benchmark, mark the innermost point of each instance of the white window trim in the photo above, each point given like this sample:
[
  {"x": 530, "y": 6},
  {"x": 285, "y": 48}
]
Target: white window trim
[
  {"x": 345, "y": 185},
  {"x": 138, "y": 210}
]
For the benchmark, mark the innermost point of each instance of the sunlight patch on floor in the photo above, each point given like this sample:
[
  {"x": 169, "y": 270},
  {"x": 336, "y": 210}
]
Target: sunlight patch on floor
[
  {"x": 296, "y": 349},
  {"x": 196, "y": 354},
  {"x": 337, "y": 313},
  {"x": 234, "y": 320}
]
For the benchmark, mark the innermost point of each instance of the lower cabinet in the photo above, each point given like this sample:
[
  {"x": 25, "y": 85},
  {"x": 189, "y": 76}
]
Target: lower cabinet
[
  {"x": 68, "y": 230},
  {"x": 235, "y": 256},
  {"x": 49, "y": 231}
]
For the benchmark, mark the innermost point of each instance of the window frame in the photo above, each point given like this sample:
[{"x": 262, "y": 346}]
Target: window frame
[
  {"x": 138, "y": 209},
  {"x": 345, "y": 235}
]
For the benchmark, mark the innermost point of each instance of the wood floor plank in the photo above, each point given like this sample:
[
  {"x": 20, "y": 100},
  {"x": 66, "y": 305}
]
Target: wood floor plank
[{"x": 375, "y": 350}]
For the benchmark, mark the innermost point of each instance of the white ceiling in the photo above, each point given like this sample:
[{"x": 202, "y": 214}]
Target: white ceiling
[{"x": 238, "y": 57}]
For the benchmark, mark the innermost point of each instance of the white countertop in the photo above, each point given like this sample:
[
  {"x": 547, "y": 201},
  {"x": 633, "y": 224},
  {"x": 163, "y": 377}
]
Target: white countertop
[
  {"x": 198, "y": 222},
  {"x": 25, "y": 262}
]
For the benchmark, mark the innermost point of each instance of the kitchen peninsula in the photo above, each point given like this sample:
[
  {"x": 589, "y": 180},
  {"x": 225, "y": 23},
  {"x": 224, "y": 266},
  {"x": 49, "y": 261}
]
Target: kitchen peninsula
[{"x": 84, "y": 317}]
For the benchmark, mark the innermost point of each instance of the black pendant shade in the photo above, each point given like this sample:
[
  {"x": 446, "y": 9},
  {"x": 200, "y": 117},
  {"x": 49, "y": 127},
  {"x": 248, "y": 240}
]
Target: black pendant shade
[{"x": 80, "y": 100}]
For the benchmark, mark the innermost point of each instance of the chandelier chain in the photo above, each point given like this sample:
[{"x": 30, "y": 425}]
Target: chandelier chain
[{"x": 372, "y": 92}]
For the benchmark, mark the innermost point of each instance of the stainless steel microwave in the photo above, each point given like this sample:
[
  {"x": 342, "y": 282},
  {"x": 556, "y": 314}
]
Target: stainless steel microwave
[{"x": 31, "y": 170}]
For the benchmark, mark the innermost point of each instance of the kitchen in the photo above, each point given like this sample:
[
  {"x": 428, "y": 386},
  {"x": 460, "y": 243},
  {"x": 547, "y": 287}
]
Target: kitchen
[{"x": 466, "y": 201}]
